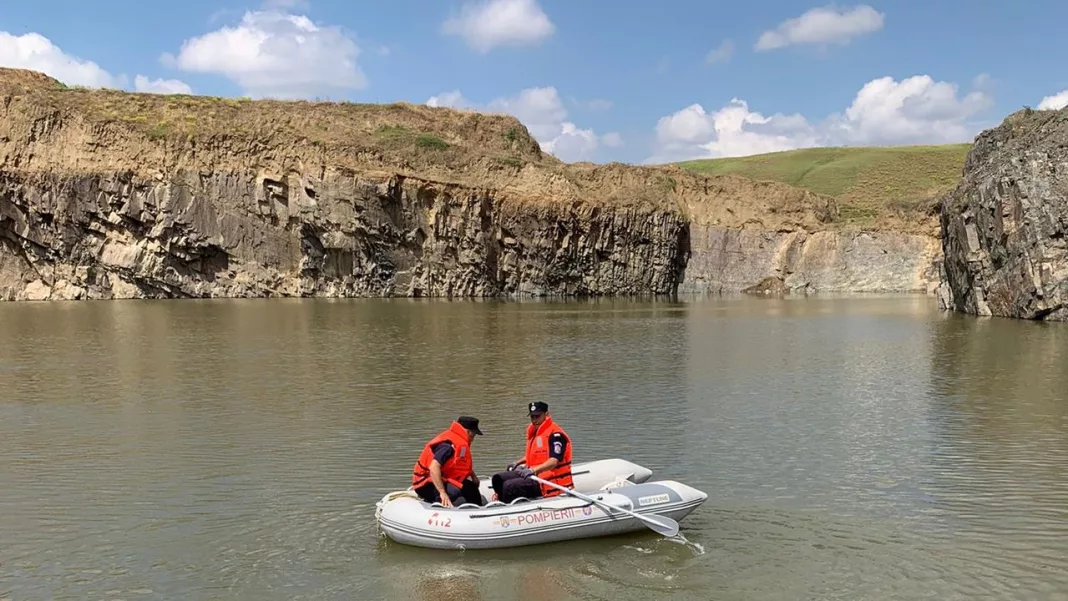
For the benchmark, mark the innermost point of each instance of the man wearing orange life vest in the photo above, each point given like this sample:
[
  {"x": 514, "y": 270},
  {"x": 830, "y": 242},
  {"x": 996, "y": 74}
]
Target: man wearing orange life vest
[
  {"x": 548, "y": 456},
  {"x": 444, "y": 472}
]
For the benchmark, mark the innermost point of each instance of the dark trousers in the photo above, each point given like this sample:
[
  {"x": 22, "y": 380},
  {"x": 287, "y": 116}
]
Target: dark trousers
[
  {"x": 468, "y": 494},
  {"x": 509, "y": 486}
]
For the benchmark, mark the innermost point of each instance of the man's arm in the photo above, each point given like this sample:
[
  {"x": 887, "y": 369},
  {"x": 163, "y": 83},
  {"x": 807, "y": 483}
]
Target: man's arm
[
  {"x": 442, "y": 452},
  {"x": 435, "y": 477}
]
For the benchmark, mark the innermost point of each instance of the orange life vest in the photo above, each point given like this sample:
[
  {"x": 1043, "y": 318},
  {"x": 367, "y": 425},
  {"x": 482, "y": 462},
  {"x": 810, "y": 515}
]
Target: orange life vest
[
  {"x": 538, "y": 453},
  {"x": 456, "y": 469}
]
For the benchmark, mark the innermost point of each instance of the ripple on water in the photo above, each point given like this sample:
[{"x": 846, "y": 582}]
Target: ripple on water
[
  {"x": 235, "y": 450},
  {"x": 650, "y": 565}
]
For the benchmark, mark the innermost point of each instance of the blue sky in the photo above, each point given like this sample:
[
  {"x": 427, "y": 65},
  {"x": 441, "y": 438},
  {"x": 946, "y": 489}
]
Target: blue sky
[{"x": 593, "y": 80}]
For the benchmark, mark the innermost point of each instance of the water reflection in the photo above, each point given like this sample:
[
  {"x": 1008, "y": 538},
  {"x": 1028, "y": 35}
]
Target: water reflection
[
  {"x": 999, "y": 455},
  {"x": 835, "y": 388},
  {"x": 851, "y": 447}
]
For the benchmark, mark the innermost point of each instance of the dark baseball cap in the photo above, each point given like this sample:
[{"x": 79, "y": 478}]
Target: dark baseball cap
[
  {"x": 537, "y": 407},
  {"x": 471, "y": 423}
]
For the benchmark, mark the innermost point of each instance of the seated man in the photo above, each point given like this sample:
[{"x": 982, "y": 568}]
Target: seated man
[
  {"x": 445, "y": 471},
  {"x": 548, "y": 457}
]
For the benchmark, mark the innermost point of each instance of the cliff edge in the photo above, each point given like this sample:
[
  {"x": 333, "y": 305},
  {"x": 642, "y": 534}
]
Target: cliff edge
[
  {"x": 109, "y": 194},
  {"x": 1003, "y": 228}
]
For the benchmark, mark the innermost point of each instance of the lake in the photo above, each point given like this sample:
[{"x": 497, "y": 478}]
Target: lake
[{"x": 851, "y": 447}]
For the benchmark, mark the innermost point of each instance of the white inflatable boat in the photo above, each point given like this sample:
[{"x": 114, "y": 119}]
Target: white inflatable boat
[{"x": 605, "y": 502}]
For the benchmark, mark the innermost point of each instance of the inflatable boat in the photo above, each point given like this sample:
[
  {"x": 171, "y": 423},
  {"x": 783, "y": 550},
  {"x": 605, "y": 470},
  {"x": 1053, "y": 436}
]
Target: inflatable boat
[{"x": 603, "y": 503}]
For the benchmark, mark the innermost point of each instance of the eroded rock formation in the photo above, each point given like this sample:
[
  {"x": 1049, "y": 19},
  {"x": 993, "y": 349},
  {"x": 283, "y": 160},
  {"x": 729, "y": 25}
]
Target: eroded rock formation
[
  {"x": 106, "y": 194},
  {"x": 230, "y": 235},
  {"x": 1004, "y": 226},
  {"x": 726, "y": 260}
]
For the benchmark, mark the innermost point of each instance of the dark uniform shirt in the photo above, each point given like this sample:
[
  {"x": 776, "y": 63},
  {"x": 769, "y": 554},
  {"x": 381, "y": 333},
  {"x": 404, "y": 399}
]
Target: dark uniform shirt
[
  {"x": 557, "y": 444},
  {"x": 443, "y": 451}
]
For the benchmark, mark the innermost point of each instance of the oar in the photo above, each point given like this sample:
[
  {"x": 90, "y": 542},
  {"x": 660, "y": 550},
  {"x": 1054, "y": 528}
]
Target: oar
[{"x": 662, "y": 524}]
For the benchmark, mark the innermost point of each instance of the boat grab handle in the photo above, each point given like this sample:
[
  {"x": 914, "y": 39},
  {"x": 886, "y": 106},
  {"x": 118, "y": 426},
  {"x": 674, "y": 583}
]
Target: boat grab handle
[{"x": 528, "y": 510}]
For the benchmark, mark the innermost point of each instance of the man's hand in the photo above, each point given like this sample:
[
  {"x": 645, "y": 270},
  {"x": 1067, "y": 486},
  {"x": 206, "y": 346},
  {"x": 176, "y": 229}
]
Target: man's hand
[
  {"x": 445, "y": 500},
  {"x": 439, "y": 483},
  {"x": 524, "y": 471}
]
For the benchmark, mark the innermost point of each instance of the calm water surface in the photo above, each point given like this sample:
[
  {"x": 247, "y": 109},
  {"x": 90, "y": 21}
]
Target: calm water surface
[{"x": 851, "y": 448}]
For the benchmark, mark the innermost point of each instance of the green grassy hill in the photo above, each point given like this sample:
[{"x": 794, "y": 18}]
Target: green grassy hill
[{"x": 874, "y": 185}]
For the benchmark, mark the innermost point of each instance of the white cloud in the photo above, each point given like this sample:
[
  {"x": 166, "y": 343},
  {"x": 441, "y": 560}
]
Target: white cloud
[
  {"x": 733, "y": 130},
  {"x": 721, "y": 53},
  {"x": 612, "y": 140},
  {"x": 1054, "y": 102},
  {"x": 161, "y": 86},
  {"x": 277, "y": 54},
  {"x": 542, "y": 112},
  {"x": 572, "y": 143},
  {"x": 36, "y": 52},
  {"x": 540, "y": 109},
  {"x": 823, "y": 25},
  {"x": 453, "y": 99},
  {"x": 488, "y": 24},
  {"x": 690, "y": 125},
  {"x": 916, "y": 110}
]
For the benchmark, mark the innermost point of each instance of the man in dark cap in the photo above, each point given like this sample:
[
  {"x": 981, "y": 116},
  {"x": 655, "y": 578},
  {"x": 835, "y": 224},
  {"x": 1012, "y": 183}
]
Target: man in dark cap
[
  {"x": 444, "y": 472},
  {"x": 548, "y": 456}
]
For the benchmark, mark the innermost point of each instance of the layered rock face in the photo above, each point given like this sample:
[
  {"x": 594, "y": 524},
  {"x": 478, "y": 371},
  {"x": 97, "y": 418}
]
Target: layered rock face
[
  {"x": 726, "y": 260},
  {"x": 1004, "y": 226},
  {"x": 789, "y": 237},
  {"x": 102, "y": 196},
  {"x": 231, "y": 235},
  {"x": 114, "y": 195}
]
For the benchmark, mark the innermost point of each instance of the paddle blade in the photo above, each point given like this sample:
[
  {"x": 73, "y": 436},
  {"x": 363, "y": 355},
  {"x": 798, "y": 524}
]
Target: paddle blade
[{"x": 662, "y": 524}]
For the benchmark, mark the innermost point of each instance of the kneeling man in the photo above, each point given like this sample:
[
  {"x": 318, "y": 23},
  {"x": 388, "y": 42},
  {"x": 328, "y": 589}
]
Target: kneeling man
[
  {"x": 548, "y": 456},
  {"x": 444, "y": 472}
]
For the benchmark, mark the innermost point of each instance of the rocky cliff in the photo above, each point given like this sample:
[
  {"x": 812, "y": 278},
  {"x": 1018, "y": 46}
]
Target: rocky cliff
[
  {"x": 106, "y": 194},
  {"x": 804, "y": 261},
  {"x": 1004, "y": 226}
]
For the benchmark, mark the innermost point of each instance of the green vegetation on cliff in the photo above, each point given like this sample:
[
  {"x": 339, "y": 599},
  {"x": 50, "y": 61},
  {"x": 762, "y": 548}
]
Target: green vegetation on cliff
[{"x": 870, "y": 183}]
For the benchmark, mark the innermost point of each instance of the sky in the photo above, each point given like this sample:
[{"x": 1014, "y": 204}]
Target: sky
[{"x": 593, "y": 80}]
